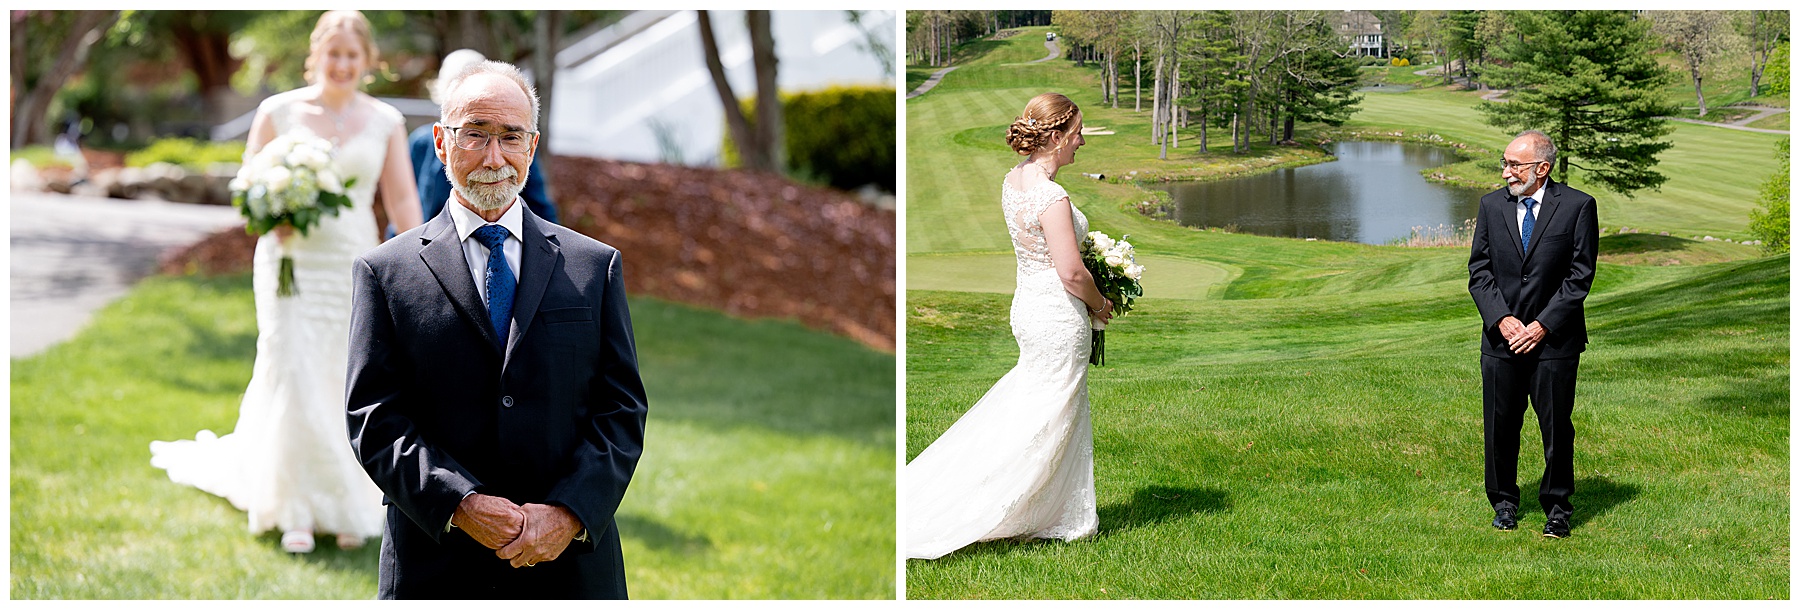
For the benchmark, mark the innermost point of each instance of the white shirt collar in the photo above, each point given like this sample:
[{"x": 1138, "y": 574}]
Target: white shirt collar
[
  {"x": 1537, "y": 196},
  {"x": 467, "y": 221}
]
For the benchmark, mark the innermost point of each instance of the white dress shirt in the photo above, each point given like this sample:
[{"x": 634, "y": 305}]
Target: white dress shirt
[
  {"x": 1536, "y": 213},
  {"x": 475, "y": 253}
]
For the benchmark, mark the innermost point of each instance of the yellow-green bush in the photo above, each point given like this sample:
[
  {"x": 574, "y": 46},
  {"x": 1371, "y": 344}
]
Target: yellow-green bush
[
  {"x": 186, "y": 152},
  {"x": 1400, "y": 62},
  {"x": 841, "y": 136}
]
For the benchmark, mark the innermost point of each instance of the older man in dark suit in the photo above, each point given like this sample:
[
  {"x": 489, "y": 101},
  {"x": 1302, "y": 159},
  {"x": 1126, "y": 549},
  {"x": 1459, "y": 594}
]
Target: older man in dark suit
[
  {"x": 493, "y": 387},
  {"x": 1530, "y": 268}
]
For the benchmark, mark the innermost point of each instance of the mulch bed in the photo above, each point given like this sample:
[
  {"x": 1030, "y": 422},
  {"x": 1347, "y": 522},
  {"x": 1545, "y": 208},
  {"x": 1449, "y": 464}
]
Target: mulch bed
[{"x": 753, "y": 245}]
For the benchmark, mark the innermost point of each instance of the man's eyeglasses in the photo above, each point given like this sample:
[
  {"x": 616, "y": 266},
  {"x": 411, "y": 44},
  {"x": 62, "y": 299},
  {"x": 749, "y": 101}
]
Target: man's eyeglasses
[
  {"x": 472, "y": 138},
  {"x": 1509, "y": 165}
]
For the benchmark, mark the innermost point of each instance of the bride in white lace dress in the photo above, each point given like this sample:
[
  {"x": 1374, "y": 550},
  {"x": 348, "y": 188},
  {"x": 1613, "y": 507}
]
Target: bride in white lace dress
[
  {"x": 1020, "y": 463},
  {"x": 288, "y": 462}
]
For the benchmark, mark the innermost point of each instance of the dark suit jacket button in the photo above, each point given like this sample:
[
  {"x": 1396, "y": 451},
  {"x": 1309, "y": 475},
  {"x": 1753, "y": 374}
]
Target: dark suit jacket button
[
  {"x": 506, "y": 401},
  {"x": 1525, "y": 279}
]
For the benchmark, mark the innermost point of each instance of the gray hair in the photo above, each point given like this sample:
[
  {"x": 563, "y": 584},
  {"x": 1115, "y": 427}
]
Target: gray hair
[
  {"x": 498, "y": 68},
  {"x": 1541, "y": 146}
]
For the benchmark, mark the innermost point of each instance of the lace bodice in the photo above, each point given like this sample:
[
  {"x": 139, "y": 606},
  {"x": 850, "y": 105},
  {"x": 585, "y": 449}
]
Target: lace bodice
[
  {"x": 1023, "y": 209},
  {"x": 359, "y": 154}
]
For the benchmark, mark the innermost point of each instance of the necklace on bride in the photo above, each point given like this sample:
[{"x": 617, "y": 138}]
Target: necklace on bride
[
  {"x": 337, "y": 122},
  {"x": 1049, "y": 172}
]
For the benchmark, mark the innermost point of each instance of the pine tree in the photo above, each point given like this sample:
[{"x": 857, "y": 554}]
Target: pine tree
[{"x": 1590, "y": 80}]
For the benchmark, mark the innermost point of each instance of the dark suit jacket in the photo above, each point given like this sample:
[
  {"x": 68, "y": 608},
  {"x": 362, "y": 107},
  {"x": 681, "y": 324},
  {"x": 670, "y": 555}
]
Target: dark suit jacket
[
  {"x": 1547, "y": 284},
  {"x": 434, "y": 188},
  {"x": 438, "y": 408}
]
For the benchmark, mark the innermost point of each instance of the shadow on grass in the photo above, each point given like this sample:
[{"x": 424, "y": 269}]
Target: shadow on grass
[
  {"x": 326, "y": 554},
  {"x": 1148, "y": 506},
  {"x": 1160, "y": 503},
  {"x": 661, "y": 537},
  {"x": 1594, "y": 496}
]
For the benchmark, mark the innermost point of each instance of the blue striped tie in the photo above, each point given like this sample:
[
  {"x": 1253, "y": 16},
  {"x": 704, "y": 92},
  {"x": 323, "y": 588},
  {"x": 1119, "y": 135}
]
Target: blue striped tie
[
  {"x": 1530, "y": 219},
  {"x": 500, "y": 281}
]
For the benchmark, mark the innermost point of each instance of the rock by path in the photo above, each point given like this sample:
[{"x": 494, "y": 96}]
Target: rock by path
[{"x": 73, "y": 255}]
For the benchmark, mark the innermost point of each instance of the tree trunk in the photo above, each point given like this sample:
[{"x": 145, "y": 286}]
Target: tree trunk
[
  {"x": 543, "y": 66},
  {"x": 768, "y": 100},
  {"x": 749, "y": 153},
  {"x": 1700, "y": 94},
  {"x": 29, "y": 109},
  {"x": 1137, "y": 79},
  {"x": 1156, "y": 102}
]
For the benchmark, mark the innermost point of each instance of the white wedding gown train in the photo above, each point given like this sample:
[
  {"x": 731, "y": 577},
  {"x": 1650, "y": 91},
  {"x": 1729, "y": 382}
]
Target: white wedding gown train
[
  {"x": 288, "y": 462},
  {"x": 1020, "y": 463}
]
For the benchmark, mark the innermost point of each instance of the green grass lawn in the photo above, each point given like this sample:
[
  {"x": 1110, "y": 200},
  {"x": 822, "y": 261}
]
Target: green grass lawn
[
  {"x": 768, "y": 469},
  {"x": 1289, "y": 419},
  {"x": 1330, "y": 447}
]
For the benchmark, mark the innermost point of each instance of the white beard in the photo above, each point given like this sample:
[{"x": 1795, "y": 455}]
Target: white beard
[
  {"x": 488, "y": 198},
  {"x": 1521, "y": 189}
]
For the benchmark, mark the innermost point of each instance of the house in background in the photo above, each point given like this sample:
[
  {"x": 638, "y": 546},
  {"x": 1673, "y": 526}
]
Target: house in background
[{"x": 1362, "y": 30}]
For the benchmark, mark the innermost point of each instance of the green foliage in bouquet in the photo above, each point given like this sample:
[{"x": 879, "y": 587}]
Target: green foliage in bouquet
[{"x": 302, "y": 219}]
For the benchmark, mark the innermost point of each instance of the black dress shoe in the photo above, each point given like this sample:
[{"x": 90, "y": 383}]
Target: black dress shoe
[
  {"x": 1505, "y": 520},
  {"x": 1556, "y": 528}
]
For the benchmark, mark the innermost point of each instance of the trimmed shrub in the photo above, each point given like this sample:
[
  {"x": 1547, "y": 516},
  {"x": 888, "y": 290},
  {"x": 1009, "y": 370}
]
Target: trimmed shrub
[
  {"x": 189, "y": 153},
  {"x": 841, "y": 136}
]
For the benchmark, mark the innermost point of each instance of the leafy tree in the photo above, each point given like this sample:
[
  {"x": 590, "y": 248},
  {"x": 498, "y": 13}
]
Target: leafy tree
[
  {"x": 1590, "y": 80},
  {"x": 48, "y": 47},
  {"x": 1462, "y": 39},
  {"x": 1776, "y": 74},
  {"x": 1698, "y": 37},
  {"x": 1213, "y": 89},
  {"x": 1316, "y": 82},
  {"x": 1766, "y": 33},
  {"x": 1769, "y": 220}
]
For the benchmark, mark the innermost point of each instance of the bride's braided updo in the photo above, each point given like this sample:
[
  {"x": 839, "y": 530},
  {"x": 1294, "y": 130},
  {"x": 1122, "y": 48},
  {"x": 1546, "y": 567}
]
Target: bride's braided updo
[{"x": 1045, "y": 114}]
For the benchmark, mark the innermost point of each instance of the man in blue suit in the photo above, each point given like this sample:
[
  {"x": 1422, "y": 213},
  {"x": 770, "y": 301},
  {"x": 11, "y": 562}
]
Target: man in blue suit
[{"x": 428, "y": 171}]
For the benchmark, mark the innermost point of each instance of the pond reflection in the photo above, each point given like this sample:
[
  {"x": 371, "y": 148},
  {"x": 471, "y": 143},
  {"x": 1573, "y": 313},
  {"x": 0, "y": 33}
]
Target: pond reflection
[{"x": 1373, "y": 193}]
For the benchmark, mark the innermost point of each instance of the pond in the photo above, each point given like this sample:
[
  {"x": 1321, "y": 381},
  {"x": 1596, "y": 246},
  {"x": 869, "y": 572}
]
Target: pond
[{"x": 1373, "y": 193}]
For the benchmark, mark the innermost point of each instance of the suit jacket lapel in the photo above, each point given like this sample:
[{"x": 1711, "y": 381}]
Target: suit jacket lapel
[
  {"x": 1511, "y": 215},
  {"x": 539, "y": 256},
  {"x": 1546, "y": 211},
  {"x": 443, "y": 254}
]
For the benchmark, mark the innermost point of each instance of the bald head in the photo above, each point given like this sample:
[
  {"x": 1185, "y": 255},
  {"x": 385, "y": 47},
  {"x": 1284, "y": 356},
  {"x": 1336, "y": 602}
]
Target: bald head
[{"x": 490, "y": 86}]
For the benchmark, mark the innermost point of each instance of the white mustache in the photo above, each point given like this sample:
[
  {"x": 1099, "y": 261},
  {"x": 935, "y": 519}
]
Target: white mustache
[{"x": 505, "y": 172}]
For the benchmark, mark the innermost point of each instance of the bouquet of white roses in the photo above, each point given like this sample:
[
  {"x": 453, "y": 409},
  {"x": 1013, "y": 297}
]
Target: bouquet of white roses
[
  {"x": 1116, "y": 272},
  {"x": 292, "y": 182}
]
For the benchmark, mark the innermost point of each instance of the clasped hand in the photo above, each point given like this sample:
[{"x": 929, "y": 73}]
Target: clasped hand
[
  {"x": 523, "y": 535},
  {"x": 1521, "y": 338}
]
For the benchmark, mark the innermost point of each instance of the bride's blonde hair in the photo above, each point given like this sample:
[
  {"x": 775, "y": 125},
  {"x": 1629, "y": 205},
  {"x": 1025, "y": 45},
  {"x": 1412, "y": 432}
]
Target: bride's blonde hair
[
  {"x": 1045, "y": 114},
  {"x": 350, "y": 22}
]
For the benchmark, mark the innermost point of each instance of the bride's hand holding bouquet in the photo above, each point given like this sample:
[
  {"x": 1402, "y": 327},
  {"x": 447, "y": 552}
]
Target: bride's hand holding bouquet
[
  {"x": 289, "y": 185},
  {"x": 1113, "y": 263}
]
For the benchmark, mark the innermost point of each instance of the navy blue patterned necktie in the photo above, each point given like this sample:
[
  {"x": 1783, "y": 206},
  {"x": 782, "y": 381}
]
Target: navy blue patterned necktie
[
  {"x": 1530, "y": 219},
  {"x": 500, "y": 281}
]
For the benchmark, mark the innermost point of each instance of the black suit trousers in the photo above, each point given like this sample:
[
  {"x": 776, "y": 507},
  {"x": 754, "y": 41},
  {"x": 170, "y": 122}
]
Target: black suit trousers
[{"x": 1549, "y": 385}]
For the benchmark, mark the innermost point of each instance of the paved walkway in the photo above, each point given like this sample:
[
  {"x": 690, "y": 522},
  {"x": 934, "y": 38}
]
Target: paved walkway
[
  {"x": 930, "y": 82},
  {"x": 73, "y": 255},
  {"x": 1055, "y": 52}
]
